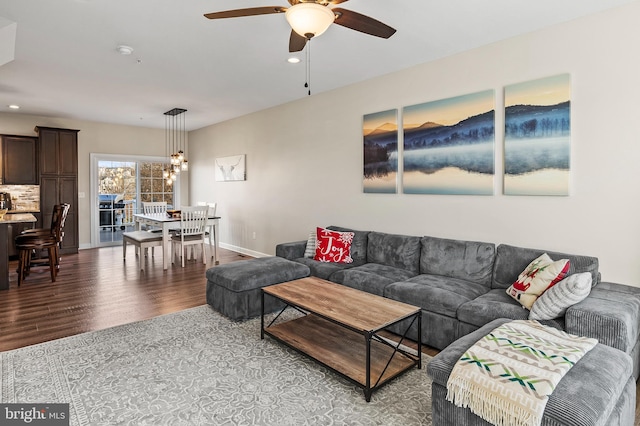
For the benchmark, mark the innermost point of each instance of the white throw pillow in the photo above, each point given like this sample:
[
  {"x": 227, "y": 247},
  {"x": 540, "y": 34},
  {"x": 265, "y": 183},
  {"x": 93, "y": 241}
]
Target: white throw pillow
[
  {"x": 554, "y": 302},
  {"x": 542, "y": 273},
  {"x": 310, "y": 250}
]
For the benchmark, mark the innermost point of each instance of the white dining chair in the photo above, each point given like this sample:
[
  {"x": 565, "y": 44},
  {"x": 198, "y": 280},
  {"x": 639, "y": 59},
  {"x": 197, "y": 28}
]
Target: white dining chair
[
  {"x": 153, "y": 208},
  {"x": 211, "y": 232},
  {"x": 193, "y": 221}
]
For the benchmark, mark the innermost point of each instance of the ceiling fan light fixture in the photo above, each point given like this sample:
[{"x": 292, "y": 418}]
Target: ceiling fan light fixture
[{"x": 309, "y": 18}]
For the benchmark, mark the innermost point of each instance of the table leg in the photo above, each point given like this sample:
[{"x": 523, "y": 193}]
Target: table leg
[{"x": 166, "y": 250}]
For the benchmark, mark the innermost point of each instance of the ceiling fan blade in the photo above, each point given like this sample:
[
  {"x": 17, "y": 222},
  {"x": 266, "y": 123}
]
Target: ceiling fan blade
[
  {"x": 296, "y": 42},
  {"x": 362, "y": 23},
  {"x": 336, "y": 1},
  {"x": 236, "y": 13}
]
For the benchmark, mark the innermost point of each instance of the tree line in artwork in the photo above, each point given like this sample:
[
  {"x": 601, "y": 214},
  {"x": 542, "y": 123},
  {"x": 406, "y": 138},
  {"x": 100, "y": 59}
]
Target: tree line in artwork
[
  {"x": 476, "y": 129},
  {"x": 537, "y": 121}
]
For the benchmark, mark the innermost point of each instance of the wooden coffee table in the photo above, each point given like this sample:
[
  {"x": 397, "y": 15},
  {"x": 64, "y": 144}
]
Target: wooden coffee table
[{"x": 340, "y": 330}]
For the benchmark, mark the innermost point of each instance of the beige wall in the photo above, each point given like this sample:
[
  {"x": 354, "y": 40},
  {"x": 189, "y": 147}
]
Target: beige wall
[
  {"x": 304, "y": 159},
  {"x": 93, "y": 138}
]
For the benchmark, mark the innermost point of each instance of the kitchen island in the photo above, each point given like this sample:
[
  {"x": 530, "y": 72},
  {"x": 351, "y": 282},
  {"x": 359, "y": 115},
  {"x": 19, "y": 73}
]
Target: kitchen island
[{"x": 8, "y": 220}]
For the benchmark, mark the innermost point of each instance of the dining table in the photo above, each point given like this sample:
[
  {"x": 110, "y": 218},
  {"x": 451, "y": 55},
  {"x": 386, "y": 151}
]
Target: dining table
[
  {"x": 5, "y": 223},
  {"x": 165, "y": 223}
]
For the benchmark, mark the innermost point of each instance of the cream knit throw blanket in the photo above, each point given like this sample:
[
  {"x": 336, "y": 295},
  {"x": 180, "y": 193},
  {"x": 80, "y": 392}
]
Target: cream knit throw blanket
[{"x": 507, "y": 376}]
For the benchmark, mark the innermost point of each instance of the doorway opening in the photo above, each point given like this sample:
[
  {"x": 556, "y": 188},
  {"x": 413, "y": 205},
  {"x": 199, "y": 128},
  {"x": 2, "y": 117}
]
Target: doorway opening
[{"x": 122, "y": 184}]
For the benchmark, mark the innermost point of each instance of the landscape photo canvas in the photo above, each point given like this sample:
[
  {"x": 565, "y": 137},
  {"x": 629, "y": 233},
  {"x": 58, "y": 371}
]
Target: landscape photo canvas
[
  {"x": 449, "y": 146},
  {"x": 380, "y": 145},
  {"x": 537, "y": 142}
]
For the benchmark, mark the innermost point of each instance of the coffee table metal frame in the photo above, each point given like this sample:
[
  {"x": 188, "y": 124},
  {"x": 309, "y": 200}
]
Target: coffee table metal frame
[{"x": 402, "y": 357}]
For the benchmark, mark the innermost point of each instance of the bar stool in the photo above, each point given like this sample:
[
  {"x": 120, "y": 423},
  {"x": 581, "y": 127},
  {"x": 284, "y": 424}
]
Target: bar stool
[
  {"x": 36, "y": 240},
  {"x": 26, "y": 244}
]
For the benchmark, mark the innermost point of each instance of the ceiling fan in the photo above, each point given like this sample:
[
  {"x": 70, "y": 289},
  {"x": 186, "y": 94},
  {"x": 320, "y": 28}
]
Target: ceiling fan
[{"x": 310, "y": 18}]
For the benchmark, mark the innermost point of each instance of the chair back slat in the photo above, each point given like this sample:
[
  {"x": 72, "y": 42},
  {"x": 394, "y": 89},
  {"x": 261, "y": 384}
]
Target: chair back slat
[
  {"x": 60, "y": 212},
  {"x": 212, "y": 207},
  {"x": 157, "y": 207},
  {"x": 193, "y": 220}
]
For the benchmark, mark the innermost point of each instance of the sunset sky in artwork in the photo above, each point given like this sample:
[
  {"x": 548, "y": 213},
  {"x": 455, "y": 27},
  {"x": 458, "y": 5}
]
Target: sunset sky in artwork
[
  {"x": 448, "y": 111},
  {"x": 377, "y": 119},
  {"x": 544, "y": 91}
]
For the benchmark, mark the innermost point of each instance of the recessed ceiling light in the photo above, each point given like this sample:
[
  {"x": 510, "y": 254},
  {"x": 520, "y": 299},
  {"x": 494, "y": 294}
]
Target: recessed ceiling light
[
  {"x": 293, "y": 60},
  {"x": 124, "y": 50},
  {"x": 14, "y": 106}
]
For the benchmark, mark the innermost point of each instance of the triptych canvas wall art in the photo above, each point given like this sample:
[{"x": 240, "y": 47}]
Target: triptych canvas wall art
[
  {"x": 537, "y": 137},
  {"x": 448, "y": 145}
]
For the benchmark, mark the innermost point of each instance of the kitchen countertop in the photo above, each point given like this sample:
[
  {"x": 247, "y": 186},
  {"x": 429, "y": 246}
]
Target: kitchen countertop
[
  {"x": 23, "y": 211},
  {"x": 18, "y": 218}
]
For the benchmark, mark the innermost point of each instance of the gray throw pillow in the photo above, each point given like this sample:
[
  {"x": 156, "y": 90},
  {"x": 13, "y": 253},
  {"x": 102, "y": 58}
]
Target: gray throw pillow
[
  {"x": 310, "y": 250},
  {"x": 554, "y": 302}
]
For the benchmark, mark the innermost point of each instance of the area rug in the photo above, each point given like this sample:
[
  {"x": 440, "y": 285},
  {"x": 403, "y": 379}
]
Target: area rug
[{"x": 196, "y": 367}]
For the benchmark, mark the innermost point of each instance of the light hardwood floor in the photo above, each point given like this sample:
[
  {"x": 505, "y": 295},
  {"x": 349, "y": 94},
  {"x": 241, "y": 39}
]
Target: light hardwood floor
[{"x": 96, "y": 289}]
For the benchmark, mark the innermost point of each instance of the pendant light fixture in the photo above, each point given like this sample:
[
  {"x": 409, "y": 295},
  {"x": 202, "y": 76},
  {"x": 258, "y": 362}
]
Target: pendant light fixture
[{"x": 175, "y": 139}]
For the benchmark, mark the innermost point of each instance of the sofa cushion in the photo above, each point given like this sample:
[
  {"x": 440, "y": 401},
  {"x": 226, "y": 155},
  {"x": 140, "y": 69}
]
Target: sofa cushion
[
  {"x": 323, "y": 269},
  {"x": 511, "y": 260},
  {"x": 434, "y": 293},
  {"x": 358, "y": 245},
  {"x": 466, "y": 260},
  {"x": 496, "y": 304},
  {"x": 554, "y": 302},
  {"x": 370, "y": 277},
  {"x": 542, "y": 273},
  {"x": 333, "y": 246},
  {"x": 398, "y": 251}
]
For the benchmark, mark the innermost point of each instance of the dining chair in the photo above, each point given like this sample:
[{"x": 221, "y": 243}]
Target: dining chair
[
  {"x": 193, "y": 221},
  {"x": 153, "y": 208},
  {"x": 211, "y": 233}
]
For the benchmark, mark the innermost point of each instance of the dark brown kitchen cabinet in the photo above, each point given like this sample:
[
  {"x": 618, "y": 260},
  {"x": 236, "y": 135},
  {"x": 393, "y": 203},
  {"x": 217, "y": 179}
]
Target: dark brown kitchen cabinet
[
  {"x": 19, "y": 160},
  {"x": 59, "y": 180}
]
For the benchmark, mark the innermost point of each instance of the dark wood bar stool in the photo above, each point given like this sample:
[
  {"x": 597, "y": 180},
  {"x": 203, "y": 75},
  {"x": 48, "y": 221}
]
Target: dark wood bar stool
[
  {"x": 26, "y": 245},
  {"x": 35, "y": 240}
]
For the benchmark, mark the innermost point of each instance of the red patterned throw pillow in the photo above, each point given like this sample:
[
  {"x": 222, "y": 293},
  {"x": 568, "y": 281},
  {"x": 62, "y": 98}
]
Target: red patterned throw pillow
[
  {"x": 541, "y": 274},
  {"x": 333, "y": 246}
]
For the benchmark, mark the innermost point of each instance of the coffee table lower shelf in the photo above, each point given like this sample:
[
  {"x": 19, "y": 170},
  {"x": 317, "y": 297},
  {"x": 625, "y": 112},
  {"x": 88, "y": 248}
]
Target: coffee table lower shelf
[{"x": 344, "y": 350}]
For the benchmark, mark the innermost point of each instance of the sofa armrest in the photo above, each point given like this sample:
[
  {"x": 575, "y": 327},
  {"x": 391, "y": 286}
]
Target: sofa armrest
[
  {"x": 610, "y": 314},
  {"x": 292, "y": 250}
]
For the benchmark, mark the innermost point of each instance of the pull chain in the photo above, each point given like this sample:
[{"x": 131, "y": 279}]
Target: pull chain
[{"x": 308, "y": 66}]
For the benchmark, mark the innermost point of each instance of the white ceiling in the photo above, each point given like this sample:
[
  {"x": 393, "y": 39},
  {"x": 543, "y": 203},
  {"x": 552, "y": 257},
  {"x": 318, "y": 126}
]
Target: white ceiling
[{"x": 66, "y": 63}]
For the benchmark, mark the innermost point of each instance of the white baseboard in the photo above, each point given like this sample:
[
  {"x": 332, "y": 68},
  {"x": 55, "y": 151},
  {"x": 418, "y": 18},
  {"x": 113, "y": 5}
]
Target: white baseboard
[{"x": 243, "y": 250}]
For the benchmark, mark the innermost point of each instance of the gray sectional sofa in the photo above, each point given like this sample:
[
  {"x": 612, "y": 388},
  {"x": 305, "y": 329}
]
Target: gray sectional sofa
[{"x": 460, "y": 286}]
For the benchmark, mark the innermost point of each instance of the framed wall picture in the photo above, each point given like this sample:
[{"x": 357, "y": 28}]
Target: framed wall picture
[
  {"x": 537, "y": 137},
  {"x": 449, "y": 146},
  {"x": 230, "y": 168},
  {"x": 380, "y": 147}
]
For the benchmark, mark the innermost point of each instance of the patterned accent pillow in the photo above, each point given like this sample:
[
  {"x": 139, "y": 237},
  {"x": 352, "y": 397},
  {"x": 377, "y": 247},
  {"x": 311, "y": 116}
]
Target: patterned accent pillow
[
  {"x": 554, "y": 302},
  {"x": 333, "y": 246},
  {"x": 310, "y": 250},
  {"x": 542, "y": 273}
]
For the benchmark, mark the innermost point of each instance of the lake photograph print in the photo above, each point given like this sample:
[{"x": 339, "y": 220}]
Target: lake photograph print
[
  {"x": 537, "y": 141},
  {"x": 380, "y": 139},
  {"x": 449, "y": 146}
]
